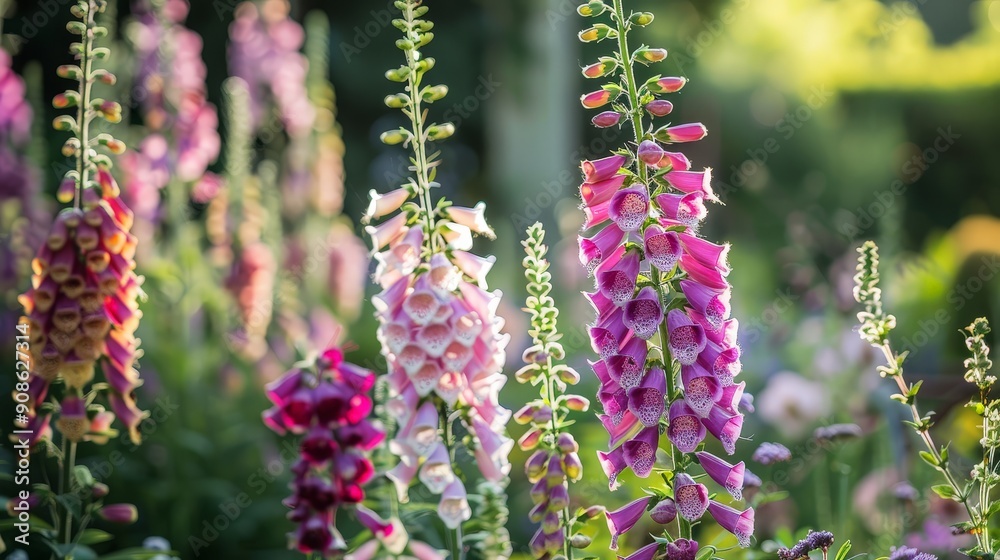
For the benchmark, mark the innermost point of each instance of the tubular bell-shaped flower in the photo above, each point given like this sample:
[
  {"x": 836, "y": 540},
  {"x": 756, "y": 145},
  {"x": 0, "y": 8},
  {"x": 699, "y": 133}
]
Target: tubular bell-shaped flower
[
  {"x": 438, "y": 324},
  {"x": 663, "y": 329},
  {"x": 557, "y": 463}
]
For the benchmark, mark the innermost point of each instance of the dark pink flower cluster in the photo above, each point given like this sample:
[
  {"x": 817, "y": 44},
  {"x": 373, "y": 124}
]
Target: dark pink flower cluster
[
  {"x": 328, "y": 404},
  {"x": 264, "y": 51}
]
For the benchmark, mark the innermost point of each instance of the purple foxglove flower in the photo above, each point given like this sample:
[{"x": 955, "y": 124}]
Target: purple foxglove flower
[
  {"x": 707, "y": 253},
  {"x": 687, "y": 338},
  {"x": 454, "y": 508},
  {"x": 649, "y": 152},
  {"x": 647, "y": 552},
  {"x": 640, "y": 451},
  {"x": 664, "y": 512},
  {"x": 690, "y": 496},
  {"x": 610, "y": 334},
  {"x": 618, "y": 284},
  {"x": 537, "y": 544},
  {"x": 622, "y": 430},
  {"x": 728, "y": 476},
  {"x": 711, "y": 304},
  {"x": 701, "y": 388},
  {"x": 738, "y": 523},
  {"x": 594, "y": 249},
  {"x": 725, "y": 426},
  {"x": 573, "y": 466},
  {"x": 384, "y": 204},
  {"x": 629, "y": 207},
  {"x": 627, "y": 367},
  {"x": 723, "y": 363},
  {"x": 769, "y": 453},
  {"x": 686, "y": 430},
  {"x": 391, "y": 534},
  {"x": 682, "y": 549},
  {"x": 724, "y": 337},
  {"x": 690, "y": 132},
  {"x": 693, "y": 182},
  {"x": 613, "y": 463},
  {"x": 404, "y": 472},
  {"x": 421, "y": 434},
  {"x": 731, "y": 397},
  {"x": 643, "y": 313},
  {"x": 624, "y": 518},
  {"x": 601, "y": 191},
  {"x": 707, "y": 276},
  {"x": 646, "y": 401},
  {"x": 606, "y": 119},
  {"x": 555, "y": 474},
  {"x": 535, "y": 466},
  {"x": 663, "y": 248},
  {"x": 566, "y": 443},
  {"x": 601, "y": 169},
  {"x": 659, "y": 108},
  {"x": 436, "y": 473}
]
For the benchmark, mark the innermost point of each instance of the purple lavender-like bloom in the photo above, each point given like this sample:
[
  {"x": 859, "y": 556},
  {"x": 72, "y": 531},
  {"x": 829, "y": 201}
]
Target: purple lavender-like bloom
[
  {"x": 907, "y": 553},
  {"x": 817, "y": 540},
  {"x": 769, "y": 453}
]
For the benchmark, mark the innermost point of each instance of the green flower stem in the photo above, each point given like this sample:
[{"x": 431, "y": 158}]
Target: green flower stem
[
  {"x": 84, "y": 113},
  {"x": 925, "y": 437},
  {"x": 635, "y": 114},
  {"x": 416, "y": 115}
]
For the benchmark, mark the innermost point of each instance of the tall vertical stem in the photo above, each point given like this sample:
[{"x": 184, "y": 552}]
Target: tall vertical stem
[
  {"x": 635, "y": 115},
  {"x": 83, "y": 111}
]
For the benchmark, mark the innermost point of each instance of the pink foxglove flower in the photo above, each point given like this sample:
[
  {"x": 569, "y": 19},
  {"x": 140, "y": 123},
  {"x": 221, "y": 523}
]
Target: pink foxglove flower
[
  {"x": 624, "y": 518},
  {"x": 738, "y": 523}
]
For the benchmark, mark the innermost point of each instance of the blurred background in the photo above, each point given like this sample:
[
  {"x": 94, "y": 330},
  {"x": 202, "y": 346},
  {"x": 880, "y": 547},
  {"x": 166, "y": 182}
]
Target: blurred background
[{"x": 831, "y": 122}]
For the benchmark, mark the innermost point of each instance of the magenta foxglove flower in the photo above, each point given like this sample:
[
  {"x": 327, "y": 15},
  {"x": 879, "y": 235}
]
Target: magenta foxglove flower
[
  {"x": 728, "y": 476},
  {"x": 738, "y": 523},
  {"x": 659, "y": 107},
  {"x": 690, "y": 496},
  {"x": 663, "y": 248},
  {"x": 687, "y": 338},
  {"x": 646, "y": 401},
  {"x": 624, "y": 518},
  {"x": 617, "y": 282},
  {"x": 596, "y": 99},
  {"x": 691, "y": 132},
  {"x": 594, "y": 250},
  {"x": 640, "y": 451},
  {"x": 613, "y": 463},
  {"x": 606, "y": 119},
  {"x": 328, "y": 403},
  {"x": 629, "y": 207},
  {"x": 643, "y": 314},
  {"x": 686, "y": 209},
  {"x": 686, "y": 430}
]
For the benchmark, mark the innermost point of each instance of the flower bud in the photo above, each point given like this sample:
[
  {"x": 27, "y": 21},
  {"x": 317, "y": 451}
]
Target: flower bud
[
  {"x": 606, "y": 119},
  {"x": 537, "y": 513},
  {"x": 596, "y": 99},
  {"x": 649, "y": 152},
  {"x": 124, "y": 514},
  {"x": 525, "y": 414},
  {"x": 99, "y": 490},
  {"x": 551, "y": 522},
  {"x": 591, "y": 512},
  {"x": 64, "y": 123},
  {"x": 606, "y": 65},
  {"x": 592, "y": 9},
  {"x": 404, "y": 44},
  {"x": 580, "y": 540},
  {"x": 70, "y": 146},
  {"x": 641, "y": 19},
  {"x": 66, "y": 190},
  {"x": 530, "y": 439},
  {"x": 669, "y": 84},
  {"x": 576, "y": 403},
  {"x": 398, "y": 74},
  {"x": 598, "y": 32},
  {"x": 650, "y": 55},
  {"x": 573, "y": 467},
  {"x": 431, "y": 94},
  {"x": 540, "y": 492},
  {"x": 664, "y": 512},
  {"x": 440, "y": 131},
  {"x": 66, "y": 99},
  {"x": 566, "y": 443},
  {"x": 659, "y": 107},
  {"x": 69, "y": 71},
  {"x": 76, "y": 27},
  {"x": 103, "y": 76},
  {"x": 542, "y": 415},
  {"x": 393, "y": 137},
  {"x": 534, "y": 467},
  {"x": 690, "y": 132},
  {"x": 569, "y": 375},
  {"x": 397, "y": 101},
  {"x": 527, "y": 374}
]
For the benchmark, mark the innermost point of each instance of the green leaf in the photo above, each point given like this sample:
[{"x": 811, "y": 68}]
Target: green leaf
[
  {"x": 844, "y": 549},
  {"x": 945, "y": 491},
  {"x": 94, "y": 536},
  {"x": 136, "y": 554},
  {"x": 929, "y": 459}
]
